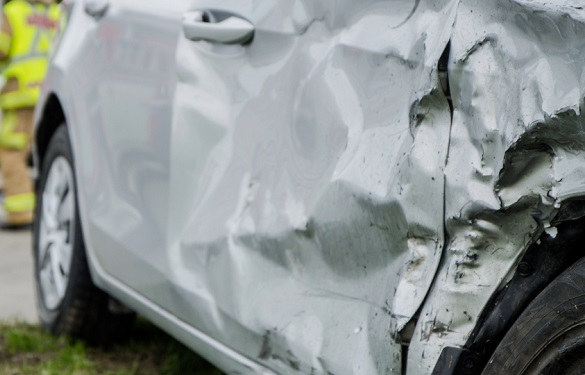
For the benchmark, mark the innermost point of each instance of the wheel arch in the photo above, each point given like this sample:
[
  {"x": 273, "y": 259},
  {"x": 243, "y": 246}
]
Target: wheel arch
[
  {"x": 546, "y": 259},
  {"x": 52, "y": 116}
]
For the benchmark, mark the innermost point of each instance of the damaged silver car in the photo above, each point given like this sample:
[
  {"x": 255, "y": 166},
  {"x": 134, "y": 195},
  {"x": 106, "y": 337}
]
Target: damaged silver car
[{"x": 320, "y": 187}]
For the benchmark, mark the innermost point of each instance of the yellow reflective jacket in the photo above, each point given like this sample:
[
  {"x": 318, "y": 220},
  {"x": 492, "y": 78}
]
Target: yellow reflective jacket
[{"x": 33, "y": 26}]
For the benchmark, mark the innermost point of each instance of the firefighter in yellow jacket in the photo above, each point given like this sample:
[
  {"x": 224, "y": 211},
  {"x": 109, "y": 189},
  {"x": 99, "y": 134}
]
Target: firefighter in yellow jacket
[{"x": 27, "y": 29}]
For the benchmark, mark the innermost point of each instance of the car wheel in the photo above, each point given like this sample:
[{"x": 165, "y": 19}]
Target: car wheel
[
  {"x": 549, "y": 336},
  {"x": 68, "y": 302}
]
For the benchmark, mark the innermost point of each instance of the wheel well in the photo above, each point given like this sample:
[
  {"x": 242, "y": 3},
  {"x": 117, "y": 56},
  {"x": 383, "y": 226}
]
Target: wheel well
[
  {"x": 544, "y": 260},
  {"x": 52, "y": 116}
]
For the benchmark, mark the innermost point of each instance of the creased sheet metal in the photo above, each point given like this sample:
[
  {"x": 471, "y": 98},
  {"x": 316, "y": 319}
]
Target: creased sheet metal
[
  {"x": 516, "y": 152},
  {"x": 331, "y": 151}
]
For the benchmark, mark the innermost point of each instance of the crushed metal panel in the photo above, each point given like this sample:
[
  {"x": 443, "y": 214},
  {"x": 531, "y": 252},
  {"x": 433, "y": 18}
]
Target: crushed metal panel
[
  {"x": 517, "y": 75},
  {"x": 322, "y": 146}
]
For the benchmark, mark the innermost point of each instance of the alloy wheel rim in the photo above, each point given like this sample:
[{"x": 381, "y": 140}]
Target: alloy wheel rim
[{"x": 56, "y": 232}]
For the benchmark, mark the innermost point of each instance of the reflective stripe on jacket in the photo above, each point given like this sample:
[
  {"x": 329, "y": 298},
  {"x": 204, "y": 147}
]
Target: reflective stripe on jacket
[
  {"x": 33, "y": 26},
  {"x": 9, "y": 138},
  {"x": 19, "y": 203}
]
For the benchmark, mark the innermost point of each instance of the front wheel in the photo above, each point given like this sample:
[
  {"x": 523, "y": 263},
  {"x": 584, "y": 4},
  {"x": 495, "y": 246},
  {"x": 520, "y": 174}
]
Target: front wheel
[
  {"x": 68, "y": 302},
  {"x": 549, "y": 337}
]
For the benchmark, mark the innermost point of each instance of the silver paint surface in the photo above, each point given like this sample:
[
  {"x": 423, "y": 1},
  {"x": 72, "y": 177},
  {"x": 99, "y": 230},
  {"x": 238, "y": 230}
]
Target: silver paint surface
[
  {"x": 516, "y": 153},
  {"x": 295, "y": 203}
]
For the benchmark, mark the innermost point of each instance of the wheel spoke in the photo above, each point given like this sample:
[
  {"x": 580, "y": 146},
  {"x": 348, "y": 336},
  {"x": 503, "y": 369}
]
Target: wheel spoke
[
  {"x": 48, "y": 286},
  {"x": 65, "y": 213},
  {"x": 43, "y": 242},
  {"x": 65, "y": 253},
  {"x": 48, "y": 211},
  {"x": 56, "y": 272},
  {"x": 58, "y": 239}
]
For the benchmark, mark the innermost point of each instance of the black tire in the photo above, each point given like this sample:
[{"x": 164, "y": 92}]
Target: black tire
[
  {"x": 549, "y": 336},
  {"x": 84, "y": 311}
]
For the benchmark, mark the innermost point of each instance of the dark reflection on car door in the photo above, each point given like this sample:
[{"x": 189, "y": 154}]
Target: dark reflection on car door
[
  {"x": 276, "y": 244},
  {"x": 130, "y": 103}
]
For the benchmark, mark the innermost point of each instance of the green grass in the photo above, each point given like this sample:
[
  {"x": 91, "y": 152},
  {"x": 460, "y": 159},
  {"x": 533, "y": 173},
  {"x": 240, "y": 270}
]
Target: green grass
[{"x": 27, "y": 350}]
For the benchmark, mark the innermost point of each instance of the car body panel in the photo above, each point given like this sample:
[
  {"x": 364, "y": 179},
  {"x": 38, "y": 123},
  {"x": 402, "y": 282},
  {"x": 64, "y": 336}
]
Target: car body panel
[
  {"x": 516, "y": 154},
  {"x": 73, "y": 72},
  {"x": 129, "y": 175},
  {"x": 270, "y": 138},
  {"x": 295, "y": 203}
]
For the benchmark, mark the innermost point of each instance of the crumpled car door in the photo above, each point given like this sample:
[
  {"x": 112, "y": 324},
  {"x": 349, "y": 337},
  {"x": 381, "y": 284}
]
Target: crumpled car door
[{"x": 306, "y": 194}]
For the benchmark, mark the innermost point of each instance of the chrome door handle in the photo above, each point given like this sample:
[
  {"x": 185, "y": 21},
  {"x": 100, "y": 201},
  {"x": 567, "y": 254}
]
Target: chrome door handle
[
  {"x": 96, "y": 8},
  {"x": 217, "y": 26}
]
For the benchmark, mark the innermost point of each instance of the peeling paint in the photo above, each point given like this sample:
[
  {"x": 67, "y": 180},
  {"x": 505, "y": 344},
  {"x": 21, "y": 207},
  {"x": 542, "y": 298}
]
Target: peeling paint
[{"x": 552, "y": 231}]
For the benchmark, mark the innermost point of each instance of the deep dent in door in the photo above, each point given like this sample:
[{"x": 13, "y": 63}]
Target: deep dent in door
[{"x": 321, "y": 203}]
